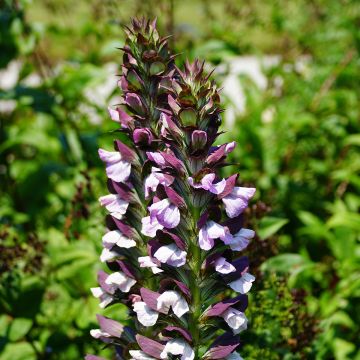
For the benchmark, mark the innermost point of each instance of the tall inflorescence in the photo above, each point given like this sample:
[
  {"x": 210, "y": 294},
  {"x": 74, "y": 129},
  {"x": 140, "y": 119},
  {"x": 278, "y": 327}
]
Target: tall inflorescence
[{"x": 175, "y": 236}]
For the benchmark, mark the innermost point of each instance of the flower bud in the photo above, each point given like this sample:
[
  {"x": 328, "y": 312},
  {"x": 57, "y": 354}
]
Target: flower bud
[
  {"x": 143, "y": 137},
  {"x": 198, "y": 139}
]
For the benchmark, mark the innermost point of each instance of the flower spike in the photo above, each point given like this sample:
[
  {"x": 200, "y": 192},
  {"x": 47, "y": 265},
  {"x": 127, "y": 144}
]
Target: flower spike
[{"x": 175, "y": 235}]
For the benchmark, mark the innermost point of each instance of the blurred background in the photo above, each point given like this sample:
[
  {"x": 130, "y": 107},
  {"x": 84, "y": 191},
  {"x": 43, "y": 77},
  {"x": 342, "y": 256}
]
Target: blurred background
[{"x": 290, "y": 76}]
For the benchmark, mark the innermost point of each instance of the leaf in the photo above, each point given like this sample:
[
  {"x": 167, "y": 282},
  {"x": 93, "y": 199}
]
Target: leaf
[
  {"x": 18, "y": 351},
  {"x": 268, "y": 226},
  {"x": 284, "y": 263},
  {"x": 19, "y": 327}
]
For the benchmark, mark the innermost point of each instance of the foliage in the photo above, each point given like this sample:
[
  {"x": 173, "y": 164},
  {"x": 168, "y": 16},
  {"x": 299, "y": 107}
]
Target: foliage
[{"x": 299, "y": 140}]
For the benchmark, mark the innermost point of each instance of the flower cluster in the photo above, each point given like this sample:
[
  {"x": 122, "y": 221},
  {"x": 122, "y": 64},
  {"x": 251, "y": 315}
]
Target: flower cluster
[{"x": 174, "y": 229}]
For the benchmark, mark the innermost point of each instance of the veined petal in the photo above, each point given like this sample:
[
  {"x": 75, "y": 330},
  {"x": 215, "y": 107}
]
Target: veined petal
[
  {"x": 145, "y": 314},
  {"x": 241, "y": 239}
]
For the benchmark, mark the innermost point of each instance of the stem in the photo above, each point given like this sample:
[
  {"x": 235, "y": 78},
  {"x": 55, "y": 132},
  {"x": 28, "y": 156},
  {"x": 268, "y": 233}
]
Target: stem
[{"x": 195, "y": 284}]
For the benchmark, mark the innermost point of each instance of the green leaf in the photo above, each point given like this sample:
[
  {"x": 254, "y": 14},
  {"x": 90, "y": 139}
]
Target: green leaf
[
  {"x": 284, "y": 263},
  {"x": 19, "y": 328},
  {"x": 18, "y": 351},
  {"x": 268, "y": 226}
]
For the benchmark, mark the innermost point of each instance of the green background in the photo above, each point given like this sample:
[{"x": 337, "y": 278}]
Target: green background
[{"x": 298, "y": 143}]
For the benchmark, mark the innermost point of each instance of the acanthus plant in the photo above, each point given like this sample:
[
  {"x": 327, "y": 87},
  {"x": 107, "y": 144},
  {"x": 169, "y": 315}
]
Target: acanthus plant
[{"x": 175, "y": 235}]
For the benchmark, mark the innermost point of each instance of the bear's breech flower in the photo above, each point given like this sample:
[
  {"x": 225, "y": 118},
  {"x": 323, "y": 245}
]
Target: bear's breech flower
[{"x": 174, "y": 232}]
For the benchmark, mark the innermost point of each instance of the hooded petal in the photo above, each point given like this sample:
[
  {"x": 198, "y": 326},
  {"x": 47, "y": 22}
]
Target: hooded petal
[
  {"x": 146, "y": 261},
  {"x": 107, "y": 255},
  {"x": 166, "y": 213}
]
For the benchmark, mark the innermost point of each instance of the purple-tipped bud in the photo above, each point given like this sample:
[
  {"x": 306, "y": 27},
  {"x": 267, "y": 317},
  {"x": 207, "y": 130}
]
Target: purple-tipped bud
[
  {"x": 198, "y": 139},
  {"x": 143, "y": 137}
]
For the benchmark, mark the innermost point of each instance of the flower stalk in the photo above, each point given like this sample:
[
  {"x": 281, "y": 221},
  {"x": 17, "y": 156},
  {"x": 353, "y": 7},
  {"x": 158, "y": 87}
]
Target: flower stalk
[{"x": 174, "y": 229}]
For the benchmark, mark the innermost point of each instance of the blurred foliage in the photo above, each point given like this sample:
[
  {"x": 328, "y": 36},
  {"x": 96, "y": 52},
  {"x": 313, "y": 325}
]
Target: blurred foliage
[{"x": 298, "y": 141}]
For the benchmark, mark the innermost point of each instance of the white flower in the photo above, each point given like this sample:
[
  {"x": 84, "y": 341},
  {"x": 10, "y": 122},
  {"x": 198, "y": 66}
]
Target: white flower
[
  {"x": 107, "y": 255},
  {"x": 235, "y": 319},
  {"x": 118, "y": 280},
  {"x": 171, "y": 255},
  {"x": 178, "y": 347},
  {"x": 174, "y": 300},
  {"x": 244, "y": 284},
  {"x": 145, "y": 314},
  {"x": 97, "y": 333},
  {"x": 223, "y": 267},
  {"x": 115, "y": 237},
  {"x": 139, "y": 355},
  {"x": 145, "y": 261},
  {"x": 114, "y": 204},
  {"x": 105, "y": 298},
  {"x": 240, "y": 240},
  {"x": 117, "y": 169}
]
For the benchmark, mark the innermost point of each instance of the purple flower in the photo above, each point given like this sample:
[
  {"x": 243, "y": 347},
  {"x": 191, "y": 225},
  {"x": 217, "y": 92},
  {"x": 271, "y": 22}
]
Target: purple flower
[
  {"x": 235, "y": 319},
  {"x": 237, "y": 201},
  {"x": 207, "y": 183},
  {"x": 117, "y": 169}
]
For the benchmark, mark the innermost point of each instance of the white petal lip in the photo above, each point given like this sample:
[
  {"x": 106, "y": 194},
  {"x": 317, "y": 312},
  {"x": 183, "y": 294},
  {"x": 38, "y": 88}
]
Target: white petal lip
[
  {"x": 113, "y": 203},
  {"x": 171, "y": 255},
  {"x": 121, "y": 281},
  {"x": 244, "y": 284},
  {"x": 145, "y": 261},
  {"x": 107, "y": 255},
  {"x": 240, "y": 240},
  {"x": 237, "y": 201},
  {"x": 97, "y": 333},
  {"x": 149, "y": 228},
  {"x": 236, "y": 319},
  {"x": 178, "y": 347},
  {"x": 115, "y": 237},
  {"x": 145, "y": 314},
  {"x": 116, "y": 168},
  {"x": 224, "y": 267},
  {"x": 172, "y": 299},
  {"x": 165, "y": 213},
  {"x": 139, "y": 355}
]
